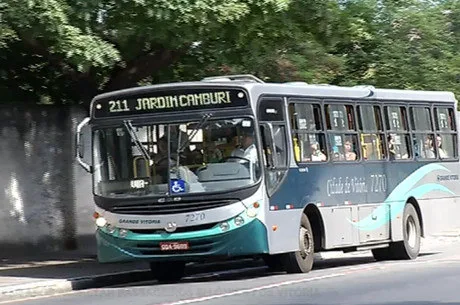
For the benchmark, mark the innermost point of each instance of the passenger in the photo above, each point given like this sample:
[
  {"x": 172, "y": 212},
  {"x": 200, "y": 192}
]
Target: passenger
[
  {"x": 336, "y": 155},
  {"x": 391, "y": 147},
  {"x": 317, "y": 154},
  {"x": 428, "y": 149},
  {"x": 350, "y": 155},
  {"x": 442, "y": 153}
]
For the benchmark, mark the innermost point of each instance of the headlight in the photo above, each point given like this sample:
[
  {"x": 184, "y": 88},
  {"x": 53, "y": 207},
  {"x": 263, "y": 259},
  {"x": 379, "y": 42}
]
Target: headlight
[
  {"x": 111, "y": 229},
  {"x": 100, "y": 222},
  {"x": 251, "y": 212},
  {"x": 123, "y": 232},
  {"x": 239, "y": 220},
  {"x": 224, "y": 226}
]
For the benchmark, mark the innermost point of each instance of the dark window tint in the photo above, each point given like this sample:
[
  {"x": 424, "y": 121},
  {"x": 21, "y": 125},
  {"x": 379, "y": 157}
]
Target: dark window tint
[
  {"x": 271, "y": 110},
  {"x": 340, "y": 117}
]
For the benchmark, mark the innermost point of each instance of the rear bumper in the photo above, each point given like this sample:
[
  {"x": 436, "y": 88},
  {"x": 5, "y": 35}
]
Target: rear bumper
[{"x": 248, "y": 239}]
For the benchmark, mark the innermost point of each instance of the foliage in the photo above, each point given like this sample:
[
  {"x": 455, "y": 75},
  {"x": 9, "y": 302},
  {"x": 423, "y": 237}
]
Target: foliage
[{"x": 67, "y": 51}]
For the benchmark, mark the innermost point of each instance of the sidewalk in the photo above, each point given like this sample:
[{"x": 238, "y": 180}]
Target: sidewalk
[
  {"x": 61, "y": 272},
  {"x": 46, "y": 274}
]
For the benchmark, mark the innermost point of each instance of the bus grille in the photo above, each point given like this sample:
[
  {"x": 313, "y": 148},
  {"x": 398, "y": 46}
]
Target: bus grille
[
  {"x": 169, "y": 207},
  {"x": 205, "y": 226}
]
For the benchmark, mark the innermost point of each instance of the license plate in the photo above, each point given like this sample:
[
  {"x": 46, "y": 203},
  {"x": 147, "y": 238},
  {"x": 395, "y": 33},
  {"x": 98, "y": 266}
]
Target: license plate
[{"x": 174, "y": 245}]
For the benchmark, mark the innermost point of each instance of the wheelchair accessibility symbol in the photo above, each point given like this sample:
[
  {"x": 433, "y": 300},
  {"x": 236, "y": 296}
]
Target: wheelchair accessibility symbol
[{"x": 178, "y": 186}]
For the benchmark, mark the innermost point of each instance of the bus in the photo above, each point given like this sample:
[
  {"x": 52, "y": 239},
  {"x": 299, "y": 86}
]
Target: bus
[{"x": 234, "y": 167}]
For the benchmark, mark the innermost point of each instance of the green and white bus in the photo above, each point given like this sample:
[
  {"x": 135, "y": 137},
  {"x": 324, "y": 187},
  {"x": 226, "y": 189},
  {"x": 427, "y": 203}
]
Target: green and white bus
[{"x": 230, "y": 166}]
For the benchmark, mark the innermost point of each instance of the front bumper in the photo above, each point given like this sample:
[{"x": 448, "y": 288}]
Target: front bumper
[{"x": 247, "y": 239}]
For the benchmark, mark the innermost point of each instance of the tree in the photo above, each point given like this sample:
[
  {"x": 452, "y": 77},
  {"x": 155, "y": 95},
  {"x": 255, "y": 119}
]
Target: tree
[
  {"x": 64, "y": 51},
  {"x": 77, "y": 49}
]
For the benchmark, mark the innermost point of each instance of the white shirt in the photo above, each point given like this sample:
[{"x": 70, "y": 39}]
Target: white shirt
[{"x": 249, "y": 153}]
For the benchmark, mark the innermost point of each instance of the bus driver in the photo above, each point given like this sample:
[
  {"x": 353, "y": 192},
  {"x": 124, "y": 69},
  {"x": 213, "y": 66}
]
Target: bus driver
[{"x": 248, "y": 150}]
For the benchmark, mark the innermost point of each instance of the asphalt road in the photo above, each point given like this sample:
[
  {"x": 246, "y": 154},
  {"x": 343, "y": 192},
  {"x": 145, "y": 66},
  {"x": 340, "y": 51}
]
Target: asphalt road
[{"x": 430, "y": 280}]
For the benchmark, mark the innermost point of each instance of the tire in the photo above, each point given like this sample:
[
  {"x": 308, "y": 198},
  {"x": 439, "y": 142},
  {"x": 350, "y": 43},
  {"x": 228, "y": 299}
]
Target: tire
[
  {"x": 409, "y": 247},
  {"x": 382, "y": 254},
  {"x": 273, "y": 262},
  {"x": 168, "y": 272},
  {"x": 301, "y": 261}
]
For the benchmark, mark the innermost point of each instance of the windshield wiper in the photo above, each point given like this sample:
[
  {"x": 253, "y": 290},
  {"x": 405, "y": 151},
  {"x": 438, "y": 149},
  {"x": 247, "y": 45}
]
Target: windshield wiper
[
  {"x": 195, "y": 130},
  {"x": 136, "y": 140},
  {"x": 180, "y": 148}
]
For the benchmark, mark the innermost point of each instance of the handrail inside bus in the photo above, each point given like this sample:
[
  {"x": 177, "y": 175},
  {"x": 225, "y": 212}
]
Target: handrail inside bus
[{"x": 248, "y": 77}]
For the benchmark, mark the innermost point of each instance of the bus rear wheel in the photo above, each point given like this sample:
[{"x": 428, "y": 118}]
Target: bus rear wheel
[
  {"x": 301, "y": 261},
  {"x": 168, "y": 272},
  {"x": 409, "y": 247}
]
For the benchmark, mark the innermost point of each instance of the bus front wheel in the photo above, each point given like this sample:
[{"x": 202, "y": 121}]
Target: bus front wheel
[
  {"x": 301, "y": 261},
  {"x": 167, "y": 272}
]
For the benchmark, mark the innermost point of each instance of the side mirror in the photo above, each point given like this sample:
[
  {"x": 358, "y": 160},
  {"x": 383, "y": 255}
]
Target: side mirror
[{"x": 80, "y": 146}]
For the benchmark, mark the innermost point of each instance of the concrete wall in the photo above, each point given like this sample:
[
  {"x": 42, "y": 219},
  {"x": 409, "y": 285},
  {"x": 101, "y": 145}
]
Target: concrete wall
[{"x": 45, "y": 199}]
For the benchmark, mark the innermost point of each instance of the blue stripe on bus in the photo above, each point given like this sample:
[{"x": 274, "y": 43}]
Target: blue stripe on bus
[{"x": 313, "y": 185}]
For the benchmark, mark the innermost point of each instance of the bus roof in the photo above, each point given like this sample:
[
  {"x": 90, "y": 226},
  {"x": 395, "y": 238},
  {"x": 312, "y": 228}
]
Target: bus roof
[{"x": 257, "y": 88}]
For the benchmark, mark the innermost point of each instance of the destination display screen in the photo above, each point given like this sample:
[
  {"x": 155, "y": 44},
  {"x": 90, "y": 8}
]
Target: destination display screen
[{"x": 141, "y": 102}]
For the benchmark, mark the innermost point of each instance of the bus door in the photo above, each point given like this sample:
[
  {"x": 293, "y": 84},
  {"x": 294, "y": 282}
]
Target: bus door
[{"x": 274, "y": 145}]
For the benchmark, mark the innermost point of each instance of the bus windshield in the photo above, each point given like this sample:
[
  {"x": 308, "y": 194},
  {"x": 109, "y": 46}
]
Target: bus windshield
[{"x": 207, "y": 155}]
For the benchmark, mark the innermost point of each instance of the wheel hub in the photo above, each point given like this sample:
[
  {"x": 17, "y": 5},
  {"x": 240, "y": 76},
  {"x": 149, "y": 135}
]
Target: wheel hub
[
  {"x": 411, "y": 232},
  {"x": 305, "y": 245}
]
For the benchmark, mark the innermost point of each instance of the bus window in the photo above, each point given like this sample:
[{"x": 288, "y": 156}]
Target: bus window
[
  {"x": 311, "y": 147},
  {"x": 306, "y": 116},
  {"x": 446, "y": 137},
  {"x": 422, "y": 130},
  {"x": 399, "y": 146},
  {"x": 424, "y": 146},
  {"x": 309, "y": 140},
  {"x": 446, "y": 146},
  {"x": 396, "y": 118},
  {"x": 445, "y": 119},
  {"x": 372, "y": 136},
  {"x": 279, "y": 139},
  {"x": 340, "y": 117},
  {"x": 344, "y": 147},
  {"x": 421, "y": 119},
  {"x": 398, "y": 137}
]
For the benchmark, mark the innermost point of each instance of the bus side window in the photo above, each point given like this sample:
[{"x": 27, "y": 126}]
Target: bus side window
[
  {"x": 446, "y": 136},
  {"x": 398, "y": 137},
  {"x": 372, "y": 137},
  {"x": 309, "y": 140},
  {"x": 344, "y": 147},
  {"x": 340, "y": 117},
  {"x": 311, "y": 147},
  {"x": 422, "y": 132}
]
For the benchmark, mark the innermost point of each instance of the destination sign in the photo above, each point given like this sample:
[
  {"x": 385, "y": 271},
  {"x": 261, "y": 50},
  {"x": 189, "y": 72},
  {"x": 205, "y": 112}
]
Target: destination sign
[{"x": 149, "y": 102}]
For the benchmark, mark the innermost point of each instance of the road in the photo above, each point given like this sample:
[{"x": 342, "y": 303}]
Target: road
[{"x": 432, "y": 279}]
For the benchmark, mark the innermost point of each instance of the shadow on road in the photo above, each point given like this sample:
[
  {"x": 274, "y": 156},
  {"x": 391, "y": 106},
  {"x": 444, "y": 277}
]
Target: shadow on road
[{"x": 248, "y": 269}]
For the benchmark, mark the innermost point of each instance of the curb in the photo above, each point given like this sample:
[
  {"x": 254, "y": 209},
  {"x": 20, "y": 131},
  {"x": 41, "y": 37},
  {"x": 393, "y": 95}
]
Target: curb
[
  {"x": 43, "y": 288},
  {"x": 48, "y": 288}
]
